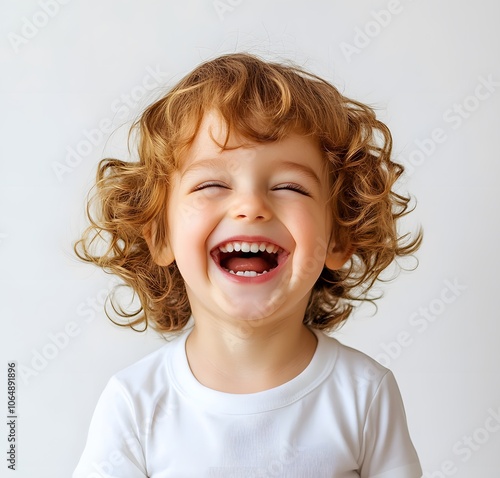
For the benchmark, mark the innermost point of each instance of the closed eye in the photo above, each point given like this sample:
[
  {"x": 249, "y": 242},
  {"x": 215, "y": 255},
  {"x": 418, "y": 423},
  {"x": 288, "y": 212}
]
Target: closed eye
[
  {"x": 292, "y": 187},
  {"x": 210, "y": 184}
]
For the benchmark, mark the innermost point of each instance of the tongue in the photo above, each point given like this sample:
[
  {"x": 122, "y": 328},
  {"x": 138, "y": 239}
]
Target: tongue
[{"x": 257, "y": 264}]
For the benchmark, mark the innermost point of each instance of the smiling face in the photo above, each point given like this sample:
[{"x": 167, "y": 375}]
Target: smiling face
[{"x": 249, "y": 225}]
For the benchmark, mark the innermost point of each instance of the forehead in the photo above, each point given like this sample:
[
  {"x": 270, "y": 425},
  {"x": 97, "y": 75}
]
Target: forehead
[
  {"x": 212, "y": 135},
  {"x": 212, "y": 147}
]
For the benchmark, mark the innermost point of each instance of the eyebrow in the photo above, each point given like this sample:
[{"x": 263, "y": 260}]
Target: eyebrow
[
  {"x": 302, "y": 168},
  {"x": 215, "y": 163},
  {"x": 209, "y": 163}
]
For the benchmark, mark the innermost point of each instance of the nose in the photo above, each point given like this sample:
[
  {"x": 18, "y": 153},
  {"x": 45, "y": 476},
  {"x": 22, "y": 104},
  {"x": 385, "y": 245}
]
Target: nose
[{"x": 252, "y": 206}]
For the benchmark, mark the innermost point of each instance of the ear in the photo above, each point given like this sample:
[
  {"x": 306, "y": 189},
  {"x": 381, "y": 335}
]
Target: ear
[
  {"x": 337, "y": 256},
  {"x": 162, "y": 253}
]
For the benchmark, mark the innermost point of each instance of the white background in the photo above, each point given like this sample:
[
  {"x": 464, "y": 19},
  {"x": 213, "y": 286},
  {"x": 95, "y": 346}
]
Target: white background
[{"x": 70, "y": 71}]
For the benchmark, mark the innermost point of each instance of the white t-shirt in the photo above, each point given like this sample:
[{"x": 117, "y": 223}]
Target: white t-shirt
[{"x": 342, "y": 417}]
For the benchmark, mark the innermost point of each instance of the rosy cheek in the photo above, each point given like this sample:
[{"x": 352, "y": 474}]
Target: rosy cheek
[
  {"x": 189, "y": 265},
  {"x": 314, "y": 223}
]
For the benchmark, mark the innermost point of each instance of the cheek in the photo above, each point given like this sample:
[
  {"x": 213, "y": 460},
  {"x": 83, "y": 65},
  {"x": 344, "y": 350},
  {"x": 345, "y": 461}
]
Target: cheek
[
  {"x": 191, "y": 211},
  {"x": 309, "y": 231},
  {"x": 309, "y": 225},
  {"x": 184, "y": 212},
  {"x": 189, "y": 252},
  {"x": 190, "y": 225},
  {"x": 187, "y": 233}
]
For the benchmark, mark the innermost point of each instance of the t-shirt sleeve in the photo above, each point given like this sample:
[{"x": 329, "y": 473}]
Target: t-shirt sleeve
[
  {"x": 113, "y": 447},
  {"x": 387, "y": 450}
]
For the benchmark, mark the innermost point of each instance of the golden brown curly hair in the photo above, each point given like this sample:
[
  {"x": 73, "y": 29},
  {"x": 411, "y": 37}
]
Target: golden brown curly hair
[{"x": 262, "y": 101}]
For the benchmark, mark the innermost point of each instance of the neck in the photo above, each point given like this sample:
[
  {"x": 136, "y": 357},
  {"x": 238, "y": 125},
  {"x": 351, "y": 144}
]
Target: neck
[{"x": 246, "y": 358}]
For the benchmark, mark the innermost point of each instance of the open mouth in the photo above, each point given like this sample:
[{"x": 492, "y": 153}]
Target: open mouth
[{"x": 248, "y": 259}]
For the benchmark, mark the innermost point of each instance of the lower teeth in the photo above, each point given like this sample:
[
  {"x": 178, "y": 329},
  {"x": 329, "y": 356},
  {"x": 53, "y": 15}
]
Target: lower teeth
[{"x": 247, "y": 273}]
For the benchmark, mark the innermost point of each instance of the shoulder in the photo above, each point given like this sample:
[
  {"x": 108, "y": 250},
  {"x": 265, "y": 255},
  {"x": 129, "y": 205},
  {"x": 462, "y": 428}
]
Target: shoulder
[
  {"x": 149, "y": 374},
  {"x": 351, "y": 361},
  {"x": 354, "y": 375}
]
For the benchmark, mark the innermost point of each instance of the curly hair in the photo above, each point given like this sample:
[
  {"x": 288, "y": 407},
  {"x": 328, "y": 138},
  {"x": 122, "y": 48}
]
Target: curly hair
[{"x": 262, "y": 101}]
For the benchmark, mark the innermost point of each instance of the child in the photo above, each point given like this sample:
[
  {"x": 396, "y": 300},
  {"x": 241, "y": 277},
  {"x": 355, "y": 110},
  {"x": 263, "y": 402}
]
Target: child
[{"x": 261, "y": 207}]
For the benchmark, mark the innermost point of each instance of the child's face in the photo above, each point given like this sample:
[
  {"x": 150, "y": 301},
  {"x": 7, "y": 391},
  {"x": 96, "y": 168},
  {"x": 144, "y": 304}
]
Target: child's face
[{"x": 270, "y": 198}]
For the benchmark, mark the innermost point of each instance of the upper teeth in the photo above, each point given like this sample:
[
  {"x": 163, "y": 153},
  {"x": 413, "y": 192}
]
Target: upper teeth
[{"x": 249, "y": 247}]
